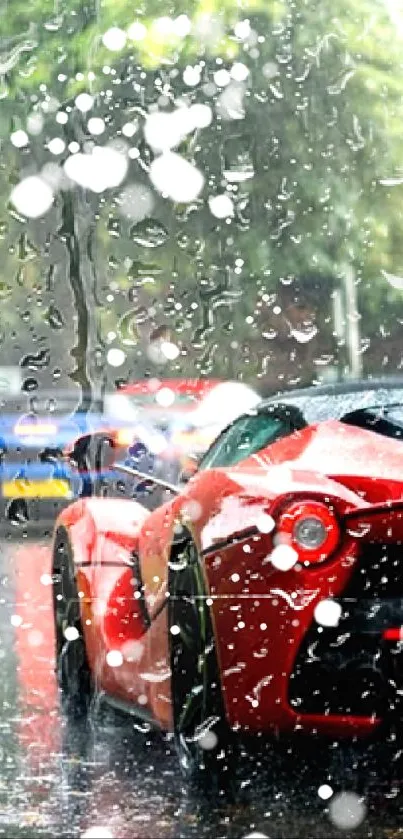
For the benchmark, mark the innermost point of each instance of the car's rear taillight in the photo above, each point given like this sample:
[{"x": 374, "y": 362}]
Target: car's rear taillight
[{"x": 310, "y": 528}]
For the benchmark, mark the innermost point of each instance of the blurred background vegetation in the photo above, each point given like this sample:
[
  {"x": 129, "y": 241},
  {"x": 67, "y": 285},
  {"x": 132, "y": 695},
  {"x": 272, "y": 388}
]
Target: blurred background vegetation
[{"x": 295, "y": 275}]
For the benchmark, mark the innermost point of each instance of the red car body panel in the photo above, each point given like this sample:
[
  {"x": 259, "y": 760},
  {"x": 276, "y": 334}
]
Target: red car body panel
[{"x": 261, "y": 614}]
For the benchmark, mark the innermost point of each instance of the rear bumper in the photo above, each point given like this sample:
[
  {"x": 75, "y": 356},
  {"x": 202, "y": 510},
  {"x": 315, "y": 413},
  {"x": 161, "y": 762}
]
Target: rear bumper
[
  {"x": 353, "y": 669},
  {"x": 284, "y": 672}
]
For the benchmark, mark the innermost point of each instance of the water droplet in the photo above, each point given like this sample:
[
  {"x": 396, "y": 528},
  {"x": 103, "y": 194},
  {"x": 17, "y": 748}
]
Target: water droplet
[
  {"x": 325, "y": 791},
  {"x": 113, "y": 227},
  {"x": 305, "y": 334},
  {"x": 239, "y": 71},
  {"x": 35, "y": 638},
  {"x": 116, "y": 357},
  {"x": 328, "y": 613},
  {"x": 339, "y": 86},
  {"x": 208, "y": 740},
  {"x": 237, "y": 159},
  {"x": 36, "y": 362},
  {"x": 56, "y": 146},
  {"x": 192, "y": 510},
  {"x": 16, "y": 620},
  {"x": 29, "y": 385},
  {"x": 242, "y": 29},
  {"x": 114, "y": 658},
  {"x": 221, "y": 206},
  {"x": 347, "y": 810},
  {"x": 114, "y": 39},
  {"x": 35, "y": 123},
  {"x": 32, "y": 197},
  {"x": 96, "y": 126},
  {"x": 165, "y": 130},
  {"x": 102, "y": 168},
  {"x": 127, "y": 329},
  {"x": 174, "y": 177},
  {"x": 26, "y": 249},
  {"x": 265, "y": 523},
  {"x": 137, "y": 31},
  {"x": 201, "y": 115},
  {"x": 256, "y": 835},
  {"x": 270, "y": 70},
  {"x": 71, "y": 633},
  {"x": 54, "y": 23},
  {"x": 84, "y": 102},
  {"x": 149, "y": 234},
  {"x": 54, "y": 317},
  {"x": 230, "y": 103},
  {"x": 391, "y": 181},
  {"x": 97, "y": 832},
  {"x": 191, "y": 244},
  {"x": 191, "y": 76},
  {"x": 136, "y": 202},
  {"x": 19, "y": 139},
  {"x": 222, "y": 77},
  {"x": 283, "y": 557}
]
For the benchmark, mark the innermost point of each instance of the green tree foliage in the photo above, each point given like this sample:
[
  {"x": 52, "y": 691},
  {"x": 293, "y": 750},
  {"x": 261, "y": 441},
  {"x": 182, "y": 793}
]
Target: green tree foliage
[{"x": 304, "y": 141}]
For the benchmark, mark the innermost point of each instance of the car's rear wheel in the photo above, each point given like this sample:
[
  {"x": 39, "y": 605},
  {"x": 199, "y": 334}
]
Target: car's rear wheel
[
  {"x": 72, "y": 668},
  {"x": 204, "y": 742}
]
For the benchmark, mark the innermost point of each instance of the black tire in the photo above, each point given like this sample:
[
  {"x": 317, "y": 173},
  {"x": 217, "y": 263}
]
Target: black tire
[
  {"x": 72, "y": 668},
  {"x": 203, "y": 740}
]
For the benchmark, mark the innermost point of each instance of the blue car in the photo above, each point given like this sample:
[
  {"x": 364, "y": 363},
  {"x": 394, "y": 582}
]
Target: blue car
[{"x": 52, "y": 450}]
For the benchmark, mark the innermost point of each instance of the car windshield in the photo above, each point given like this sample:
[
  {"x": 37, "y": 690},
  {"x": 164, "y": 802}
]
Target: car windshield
[
  {"x": 201, "y": 252},
  {"x": 249, "y": 435}
]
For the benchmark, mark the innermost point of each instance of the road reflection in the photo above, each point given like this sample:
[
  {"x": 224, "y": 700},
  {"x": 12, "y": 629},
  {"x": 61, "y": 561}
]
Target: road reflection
[{"x": 112, "y": 778}]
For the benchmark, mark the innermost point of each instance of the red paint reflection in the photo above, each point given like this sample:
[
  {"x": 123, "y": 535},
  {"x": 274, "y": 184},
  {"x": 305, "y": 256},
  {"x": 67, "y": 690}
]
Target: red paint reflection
[{"x": 38, "y": 725}]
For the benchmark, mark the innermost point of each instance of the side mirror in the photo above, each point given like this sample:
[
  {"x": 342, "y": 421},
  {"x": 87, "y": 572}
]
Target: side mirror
[
  {"x": 91, "y": 456},
  {"x": 189, "y": 468},
  {"x": 91, "y": 452},
  {"x": 75, "y": 453}
]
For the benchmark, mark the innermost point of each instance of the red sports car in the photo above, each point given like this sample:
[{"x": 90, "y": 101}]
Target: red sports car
[{"x": 266, "y": 596}]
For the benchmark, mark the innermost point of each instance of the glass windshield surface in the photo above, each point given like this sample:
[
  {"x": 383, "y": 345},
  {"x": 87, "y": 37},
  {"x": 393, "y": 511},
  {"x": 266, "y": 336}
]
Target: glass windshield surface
[
  {"x": 195, "y": 195},
  {"x": 245, "y": 437}
]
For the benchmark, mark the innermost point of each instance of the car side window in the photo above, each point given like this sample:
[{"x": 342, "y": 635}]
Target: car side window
[{"x": 246, "y": 436}]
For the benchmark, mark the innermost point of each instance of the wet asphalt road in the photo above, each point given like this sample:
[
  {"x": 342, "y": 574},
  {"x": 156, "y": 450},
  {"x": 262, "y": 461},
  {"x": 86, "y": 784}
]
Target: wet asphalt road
[{"x": 113, "y": 780}]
